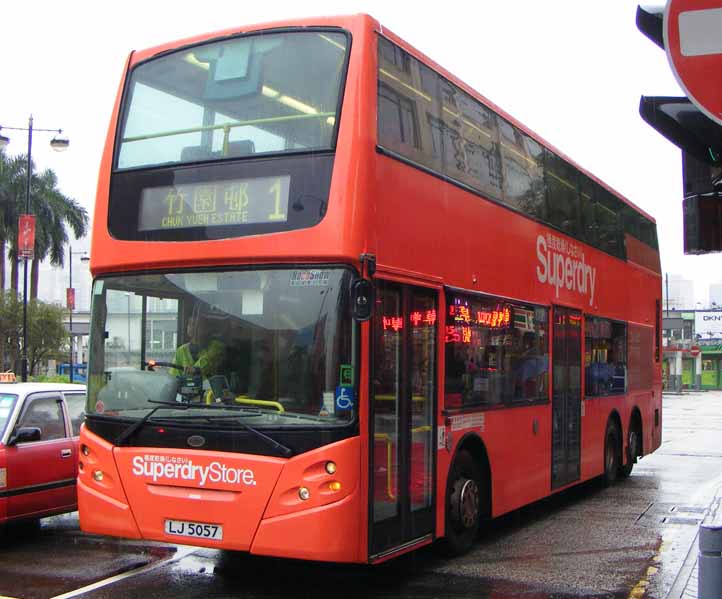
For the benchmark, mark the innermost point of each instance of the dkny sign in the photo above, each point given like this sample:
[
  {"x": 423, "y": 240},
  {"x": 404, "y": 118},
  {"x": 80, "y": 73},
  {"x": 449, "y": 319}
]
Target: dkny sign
[{"x": 708, "y": 324}]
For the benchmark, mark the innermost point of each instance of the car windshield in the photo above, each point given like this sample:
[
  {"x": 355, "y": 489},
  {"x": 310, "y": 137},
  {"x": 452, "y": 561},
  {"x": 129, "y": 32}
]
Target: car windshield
[
  {"x": 267, "y": 347},
  {"x": 7, "y": 402},
  {"x": 244, "y": 96}
]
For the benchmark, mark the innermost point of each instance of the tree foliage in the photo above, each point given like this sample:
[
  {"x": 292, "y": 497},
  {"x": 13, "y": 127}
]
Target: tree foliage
[
  {"x": 46, "y": 335},
  {"x": 11, "y": 329}
]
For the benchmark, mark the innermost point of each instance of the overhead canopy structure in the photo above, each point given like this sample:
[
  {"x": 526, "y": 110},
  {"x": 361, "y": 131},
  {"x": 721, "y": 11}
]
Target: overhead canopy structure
[{"x": 682, "y": 122}]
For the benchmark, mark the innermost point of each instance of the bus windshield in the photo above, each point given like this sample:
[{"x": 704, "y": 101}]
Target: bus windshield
[
  {"x": 275, "y": 346},
  {"x": 256, "y": 94}
]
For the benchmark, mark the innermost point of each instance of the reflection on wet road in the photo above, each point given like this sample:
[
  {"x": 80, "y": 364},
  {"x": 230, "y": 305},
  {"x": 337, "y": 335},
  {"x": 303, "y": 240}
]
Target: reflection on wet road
[{"x": 48, "y": 560}]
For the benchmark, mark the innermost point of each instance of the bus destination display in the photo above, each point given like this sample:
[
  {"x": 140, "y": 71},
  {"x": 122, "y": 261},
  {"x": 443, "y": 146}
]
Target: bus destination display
[{"x": 231, "y": 202}]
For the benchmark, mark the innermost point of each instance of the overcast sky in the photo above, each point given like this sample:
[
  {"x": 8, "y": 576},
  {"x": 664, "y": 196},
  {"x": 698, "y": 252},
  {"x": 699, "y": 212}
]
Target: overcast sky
[{"x": 571, "y": 70}]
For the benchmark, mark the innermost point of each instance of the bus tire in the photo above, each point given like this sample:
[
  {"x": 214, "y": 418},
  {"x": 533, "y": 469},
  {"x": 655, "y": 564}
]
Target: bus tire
[
  {"x": 633, "y": 450},
  {"x": 463, "y": 505},
  {"x": 612, "y": 454}
]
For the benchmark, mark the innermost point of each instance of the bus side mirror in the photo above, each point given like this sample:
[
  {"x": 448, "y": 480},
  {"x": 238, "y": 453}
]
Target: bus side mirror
[{"x": 362, "y": 299}]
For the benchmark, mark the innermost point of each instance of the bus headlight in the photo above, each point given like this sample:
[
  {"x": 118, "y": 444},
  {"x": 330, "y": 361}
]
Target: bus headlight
[
  {"x": 331, "y": 467},
  {"x": 304, "y": 493},
  {"x": 98, "y": 475}
]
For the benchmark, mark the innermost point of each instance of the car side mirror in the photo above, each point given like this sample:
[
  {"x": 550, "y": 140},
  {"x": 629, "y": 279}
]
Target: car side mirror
[
  {"x": 362, "y": 299},
  {"x": 25, "y": 434}
]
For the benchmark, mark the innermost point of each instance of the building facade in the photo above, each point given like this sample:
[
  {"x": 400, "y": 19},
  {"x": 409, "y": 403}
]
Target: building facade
[
  {"x": 677, "y": 292},
  {"x": 692, "y": 344}
]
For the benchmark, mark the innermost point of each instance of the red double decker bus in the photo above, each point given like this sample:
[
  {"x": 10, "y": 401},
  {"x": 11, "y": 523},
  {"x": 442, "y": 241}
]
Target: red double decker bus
[{"x": 344, "y": 306}]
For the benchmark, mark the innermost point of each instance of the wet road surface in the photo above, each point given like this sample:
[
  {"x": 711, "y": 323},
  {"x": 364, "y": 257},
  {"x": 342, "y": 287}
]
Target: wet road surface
[{"x": 632, "y": 540}]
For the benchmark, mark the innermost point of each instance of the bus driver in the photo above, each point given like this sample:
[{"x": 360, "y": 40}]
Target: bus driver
[{"x": 202, "y": 350}]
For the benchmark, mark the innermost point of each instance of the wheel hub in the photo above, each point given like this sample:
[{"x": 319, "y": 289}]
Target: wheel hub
[{"x": 465, "y": 503}]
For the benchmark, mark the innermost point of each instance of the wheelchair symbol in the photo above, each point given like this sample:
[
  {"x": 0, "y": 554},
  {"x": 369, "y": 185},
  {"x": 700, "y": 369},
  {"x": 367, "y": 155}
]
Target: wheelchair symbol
[{"x": 344, "y": 398}]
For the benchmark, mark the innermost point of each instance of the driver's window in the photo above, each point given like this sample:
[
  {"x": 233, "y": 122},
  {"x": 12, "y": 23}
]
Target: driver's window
[
  {"x": 47, "y": 415},
  {"x": 123, "y": 329},
  {"x": 161, "y": 329},
  {"x": 127, "y": 315}
]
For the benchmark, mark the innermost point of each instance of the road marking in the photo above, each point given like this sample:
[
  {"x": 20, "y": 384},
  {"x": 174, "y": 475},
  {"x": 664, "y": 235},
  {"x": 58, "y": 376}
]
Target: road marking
[
  {"x": 180, "y": 554},
  {"x": 5, "y": 597},
  {"x": 641, "y": 587},
  {"x": 662, "y": 549}
]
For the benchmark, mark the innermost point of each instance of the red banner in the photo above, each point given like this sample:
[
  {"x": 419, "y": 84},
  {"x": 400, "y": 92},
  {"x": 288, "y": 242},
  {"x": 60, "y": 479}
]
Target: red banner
[
  {"x": 26, "y": 236},
  {"x": 70, "y": 298}
]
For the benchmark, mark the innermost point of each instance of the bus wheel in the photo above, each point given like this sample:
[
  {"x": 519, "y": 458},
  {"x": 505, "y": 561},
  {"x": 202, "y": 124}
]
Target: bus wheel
[
  {"x": 463, "y": 504},
  {"x": 632, "y": 451},
  {"x": 612, "y": 454}
]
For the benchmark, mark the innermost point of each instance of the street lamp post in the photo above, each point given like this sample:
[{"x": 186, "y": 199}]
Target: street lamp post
[
  {"x": 58, "y": 143},
  {"x": 70, "y": 299}
]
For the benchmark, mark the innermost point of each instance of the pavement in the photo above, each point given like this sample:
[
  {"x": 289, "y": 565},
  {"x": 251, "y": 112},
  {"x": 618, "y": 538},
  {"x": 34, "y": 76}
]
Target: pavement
[{"x": 686, "y": 585}]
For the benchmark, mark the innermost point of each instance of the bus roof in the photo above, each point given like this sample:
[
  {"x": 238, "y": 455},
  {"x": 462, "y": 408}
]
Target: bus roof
[{"x": 345, "y": 21}]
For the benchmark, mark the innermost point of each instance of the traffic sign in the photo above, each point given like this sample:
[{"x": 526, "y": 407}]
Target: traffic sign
[
  {"x": 694, "y": 351},
  {"x": 693, "y": 44}
]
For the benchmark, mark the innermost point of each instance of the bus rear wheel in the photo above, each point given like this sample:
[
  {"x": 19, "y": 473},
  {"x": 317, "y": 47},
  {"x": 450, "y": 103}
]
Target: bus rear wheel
[
  {"x": 612, "y": 454},
  {"x": 633, "y": 451},
  {"x": 463, "y": 505}
]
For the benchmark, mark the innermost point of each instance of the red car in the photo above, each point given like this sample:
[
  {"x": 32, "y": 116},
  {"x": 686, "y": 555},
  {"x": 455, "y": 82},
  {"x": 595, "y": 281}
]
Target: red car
[{"x": 39, "y": 427}]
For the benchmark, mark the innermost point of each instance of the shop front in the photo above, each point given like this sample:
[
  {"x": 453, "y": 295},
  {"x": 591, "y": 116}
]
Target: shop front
[{"x": 711, "y": 366}]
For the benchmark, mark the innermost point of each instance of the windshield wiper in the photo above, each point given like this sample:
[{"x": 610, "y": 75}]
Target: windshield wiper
[
  {"x": 128, "y": 432},
  {"x": 209, "y": 417},
  {"x": 298, "y": 416},
  {"x": 284, "y": 450},
  {"x": 287, "y": 452}
]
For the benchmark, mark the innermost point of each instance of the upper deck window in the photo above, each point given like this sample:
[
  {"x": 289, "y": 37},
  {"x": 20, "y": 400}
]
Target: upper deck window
[
  {"x": 256, "y": 94},
  {"x": 427, "y": 120}
]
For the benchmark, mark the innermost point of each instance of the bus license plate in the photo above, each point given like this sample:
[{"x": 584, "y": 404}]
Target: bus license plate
[{"x": 198, "y": 530}]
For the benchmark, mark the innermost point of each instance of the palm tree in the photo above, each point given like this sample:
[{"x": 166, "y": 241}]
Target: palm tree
[
  {"x": 53, "y": 210},
  {"x": 12, "y": 190},
  {"x": 4, "y": 201},
  {"x": 12, "y": 194}
]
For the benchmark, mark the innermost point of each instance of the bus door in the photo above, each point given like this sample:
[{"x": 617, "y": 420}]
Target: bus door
[
  {"x": 566, "y": 396},
  {"x": 403, "y": 404}
]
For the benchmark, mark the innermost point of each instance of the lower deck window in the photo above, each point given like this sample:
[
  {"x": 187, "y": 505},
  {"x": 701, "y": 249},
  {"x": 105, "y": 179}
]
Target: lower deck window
[
  {"x": 605, "y": 357},
  {"x": 497, "y": 352}
]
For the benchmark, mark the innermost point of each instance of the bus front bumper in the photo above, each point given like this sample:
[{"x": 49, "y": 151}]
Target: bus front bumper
[{"x": 305, "y": 507}]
